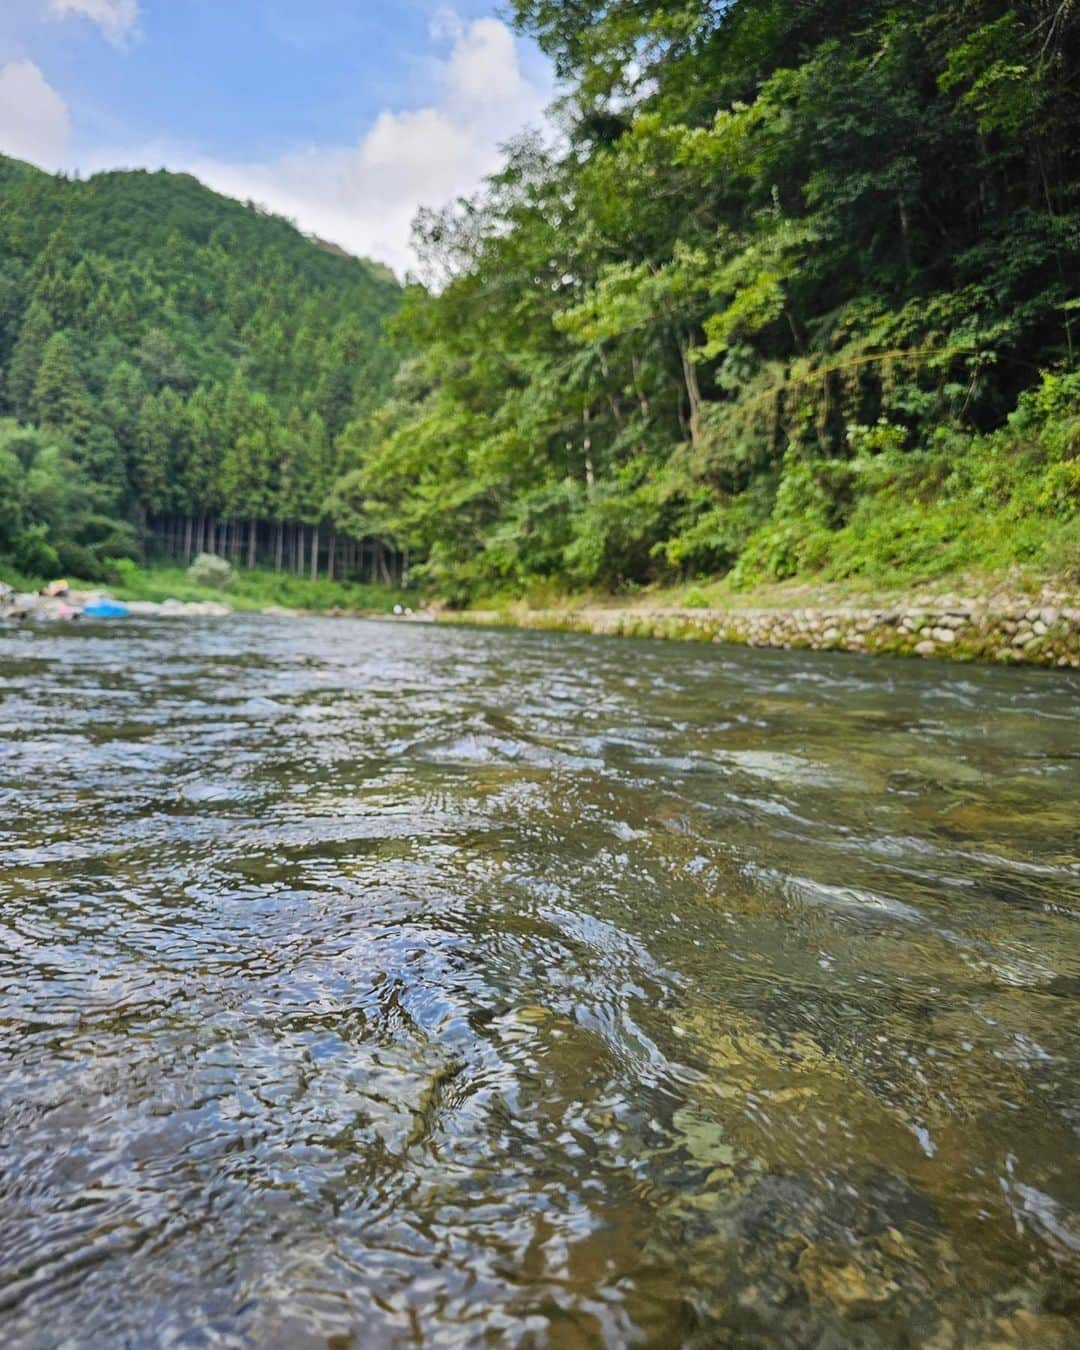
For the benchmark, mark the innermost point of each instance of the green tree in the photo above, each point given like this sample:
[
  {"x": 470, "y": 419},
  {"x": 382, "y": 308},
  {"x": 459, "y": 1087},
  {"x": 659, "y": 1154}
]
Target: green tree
[
  {"x": 36, "y": 329},
  {"x": 61, "y": 402},
  {"x": 153, "y": 452}
]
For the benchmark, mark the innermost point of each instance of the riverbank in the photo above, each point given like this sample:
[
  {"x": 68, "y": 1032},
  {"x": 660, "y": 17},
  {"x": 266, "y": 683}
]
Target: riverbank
[
  {"x": 258, "y": 589},
  {"x": 1001, "y": 621},
  {"x": 70, "y": 604},
  {"x": 1036, "y": 625},
  {"x": 172, "y": 591}
]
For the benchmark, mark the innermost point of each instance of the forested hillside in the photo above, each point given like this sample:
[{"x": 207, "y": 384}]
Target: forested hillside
[
  {"x": 793, "y": 290},
  {"x": 176, "y": 370},
  {"x": 796, "y": 293}
]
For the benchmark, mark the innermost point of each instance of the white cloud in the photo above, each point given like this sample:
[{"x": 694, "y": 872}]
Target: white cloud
[
  {"x": 34, "y": 119},
  {"x": 115, "y": 18},
  {"x": 365, "y": 196},
  {"x": 483, "y": 70}
]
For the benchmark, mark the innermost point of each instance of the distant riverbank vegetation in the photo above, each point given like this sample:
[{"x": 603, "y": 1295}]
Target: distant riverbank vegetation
[
  {"x": 791, "y": 292},
  {"x": 257, "y": 589}
]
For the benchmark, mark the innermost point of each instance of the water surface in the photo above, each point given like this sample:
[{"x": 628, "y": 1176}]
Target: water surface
[{"x": 378, "y": 985}]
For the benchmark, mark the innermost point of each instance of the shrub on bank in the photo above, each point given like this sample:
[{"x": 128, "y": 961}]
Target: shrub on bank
[{"x": 212, "y": 572}]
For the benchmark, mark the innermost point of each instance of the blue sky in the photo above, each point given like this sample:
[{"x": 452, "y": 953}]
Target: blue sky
[{"x": 346, "y": 115}]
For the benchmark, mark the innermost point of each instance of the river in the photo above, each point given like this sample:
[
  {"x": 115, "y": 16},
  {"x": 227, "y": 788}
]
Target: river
[{"x": 375, "y": 984}]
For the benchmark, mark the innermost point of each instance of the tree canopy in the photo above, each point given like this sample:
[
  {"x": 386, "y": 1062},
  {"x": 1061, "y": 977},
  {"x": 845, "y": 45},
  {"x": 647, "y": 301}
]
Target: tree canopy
[{"x": 788, "y": 267}]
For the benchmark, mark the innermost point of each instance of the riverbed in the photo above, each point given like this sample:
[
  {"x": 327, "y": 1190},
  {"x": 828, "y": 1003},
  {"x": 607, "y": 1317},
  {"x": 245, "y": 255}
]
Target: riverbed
[{"x": 373, "y": 984}]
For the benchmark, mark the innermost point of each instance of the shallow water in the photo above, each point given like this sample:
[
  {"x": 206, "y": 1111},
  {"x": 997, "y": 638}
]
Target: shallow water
[{"x": 369, "y": 984}]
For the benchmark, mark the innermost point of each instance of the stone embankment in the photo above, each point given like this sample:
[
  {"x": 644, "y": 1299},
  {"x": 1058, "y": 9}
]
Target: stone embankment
[
  {"x": 70, "y": 605},
  {"x": 1042, "y": 631}
]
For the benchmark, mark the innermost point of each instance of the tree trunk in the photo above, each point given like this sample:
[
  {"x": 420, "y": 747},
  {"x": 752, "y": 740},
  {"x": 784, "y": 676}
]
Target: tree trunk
[
  {"x": 586, "y": 445},
  {"x": 643, "y": 402},
  {"x": 693, "y": 391},
  {"x": 905, "y": 230},
  {"x": 253, "y": 539},
  {"x": 314, "y": 552},
  {"x": 330, "y": 556},
  {"x": 189, "y": 538},
  {"x": 279, "y": 546}
]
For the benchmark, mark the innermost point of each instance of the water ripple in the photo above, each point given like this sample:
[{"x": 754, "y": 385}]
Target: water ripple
[{"x": 381, "y": 985}]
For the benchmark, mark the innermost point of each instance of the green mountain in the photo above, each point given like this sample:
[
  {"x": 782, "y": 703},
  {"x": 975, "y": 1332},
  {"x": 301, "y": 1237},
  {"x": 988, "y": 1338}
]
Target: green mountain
[{"x": 173, "y": 362}]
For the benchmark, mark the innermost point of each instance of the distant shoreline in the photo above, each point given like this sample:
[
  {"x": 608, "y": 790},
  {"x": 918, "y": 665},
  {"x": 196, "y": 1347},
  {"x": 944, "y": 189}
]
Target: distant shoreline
[{"x": 1042, "y": 630}]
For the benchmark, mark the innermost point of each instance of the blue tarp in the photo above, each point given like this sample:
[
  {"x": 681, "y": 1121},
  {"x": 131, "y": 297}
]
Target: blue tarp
[{"x": 105, "y": 609}]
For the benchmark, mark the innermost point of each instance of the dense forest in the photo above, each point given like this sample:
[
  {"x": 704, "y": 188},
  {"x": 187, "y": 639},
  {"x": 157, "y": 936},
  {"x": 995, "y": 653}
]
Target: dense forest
[
  {"x": 176, "y": 371},
  {"x": 796, "y": 292},
  {"x": 792, "y": 289}
]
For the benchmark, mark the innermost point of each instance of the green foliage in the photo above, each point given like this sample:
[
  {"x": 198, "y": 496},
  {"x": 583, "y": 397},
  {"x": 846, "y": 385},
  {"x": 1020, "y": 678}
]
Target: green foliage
[
  {"x": 971, "y": 503},
  {"x": 52, "y": 518},
  {"x": 255, "y": 589},
  {"x": 777, "y": 306}
]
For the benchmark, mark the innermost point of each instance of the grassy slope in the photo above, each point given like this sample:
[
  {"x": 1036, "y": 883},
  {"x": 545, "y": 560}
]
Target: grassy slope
[
  {"x": 259, "y": 589},
  {"x": 805, "y": 591}
]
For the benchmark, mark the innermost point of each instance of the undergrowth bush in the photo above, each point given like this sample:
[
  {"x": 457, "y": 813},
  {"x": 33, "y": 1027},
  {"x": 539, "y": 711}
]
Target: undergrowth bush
[
  {"x": 211, "y": 571},
  {"x": 960, "y": 503}
]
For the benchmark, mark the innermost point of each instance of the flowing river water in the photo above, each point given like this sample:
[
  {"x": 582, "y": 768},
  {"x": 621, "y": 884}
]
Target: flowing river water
[{"x": 383, "y": 985}]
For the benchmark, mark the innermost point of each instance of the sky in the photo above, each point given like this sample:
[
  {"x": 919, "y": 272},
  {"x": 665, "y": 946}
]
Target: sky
[{"x": 344, "y": 115}]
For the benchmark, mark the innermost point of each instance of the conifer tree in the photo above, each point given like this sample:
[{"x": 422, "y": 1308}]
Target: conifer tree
[
  {"x": 37, "y": 328},
  {"x": 150, "y": 470},
  {"x": 61, "y": 402}
]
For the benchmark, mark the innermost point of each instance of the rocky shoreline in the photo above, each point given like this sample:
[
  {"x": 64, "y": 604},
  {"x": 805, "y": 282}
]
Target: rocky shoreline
[
  {"x": 69, "y": 606},
  {"x": 1043, "y": 630}
]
